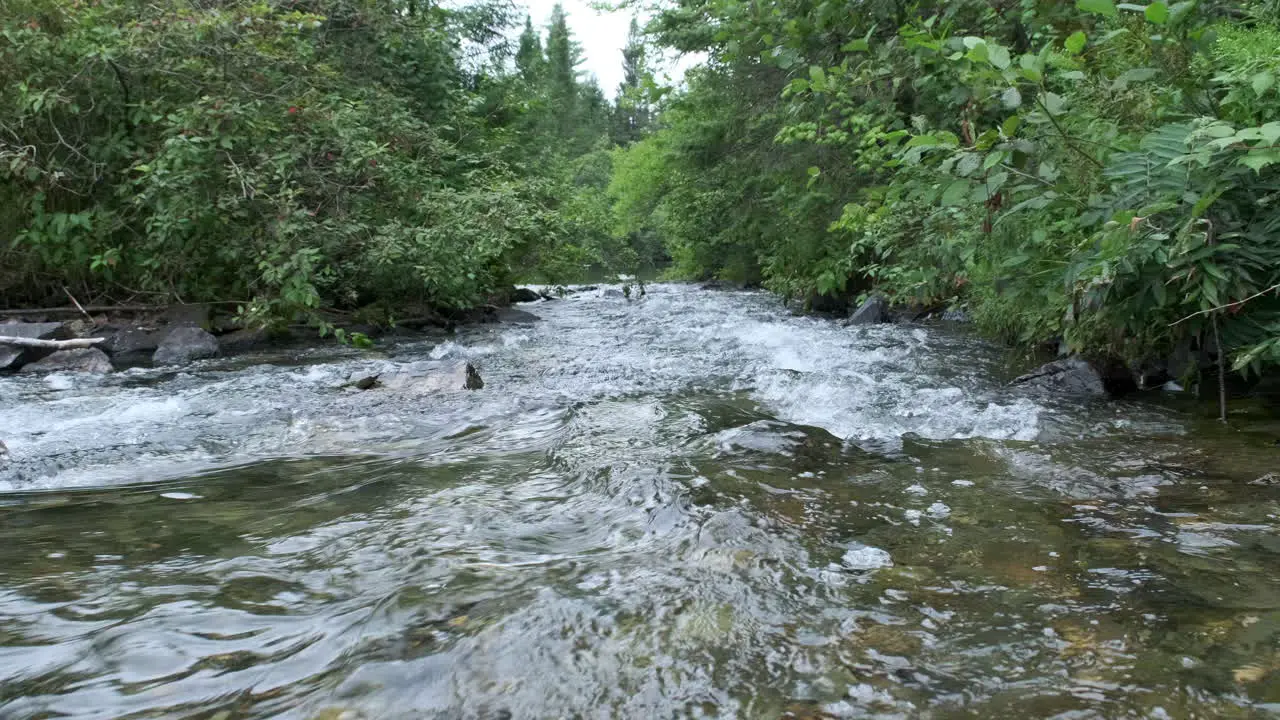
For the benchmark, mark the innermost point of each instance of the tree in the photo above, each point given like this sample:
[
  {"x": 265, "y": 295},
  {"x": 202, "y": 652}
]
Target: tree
[
  {"x": 563, "y": 58},
  {"x": 631, "y": 110},
  {"x": 529, "y": 58}
]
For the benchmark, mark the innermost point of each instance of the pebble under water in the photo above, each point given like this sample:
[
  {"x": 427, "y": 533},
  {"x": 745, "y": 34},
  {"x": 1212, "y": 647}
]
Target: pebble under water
[{"x": 692, "y": 504}]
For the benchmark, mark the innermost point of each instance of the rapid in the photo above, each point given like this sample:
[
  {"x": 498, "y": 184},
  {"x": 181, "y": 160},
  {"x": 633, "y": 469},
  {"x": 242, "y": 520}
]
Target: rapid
[{"x": 688, "y": 504}]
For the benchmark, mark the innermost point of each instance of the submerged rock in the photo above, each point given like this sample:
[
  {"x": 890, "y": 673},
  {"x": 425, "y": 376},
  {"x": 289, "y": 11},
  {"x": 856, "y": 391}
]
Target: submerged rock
[
  {"x": 865, "y": 557},
  {"x": 957, "y": 315},
  {"x": 874, "y": 310},
  {"x": 85, "y": 360},
  {"x": 184, "y": 345},
  {"x": 13, "y": 356},
  {"x": 612, "y": 293},
  {"x": 524, "y": 295},
  {"x": 1072, "y": 376},
  {"x": 511, "y": 315}
]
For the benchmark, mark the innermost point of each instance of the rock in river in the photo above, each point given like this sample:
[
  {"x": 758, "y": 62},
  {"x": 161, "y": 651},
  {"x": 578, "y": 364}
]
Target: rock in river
[
  {"x": 13, "y": 356},
  {"x": 519, "y": 317},
  {"x": 86, "y": 360},
  {"x": 874, "y": 310},
  {"x": 1072, "y": 377},
  {"x": 431, "y": 376},
  {"x": 523, "y": 295},
  {"x": 184, "y": 345}
]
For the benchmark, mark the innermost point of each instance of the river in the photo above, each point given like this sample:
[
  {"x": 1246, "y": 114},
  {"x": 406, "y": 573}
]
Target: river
[{"x": 693, "y": 504}]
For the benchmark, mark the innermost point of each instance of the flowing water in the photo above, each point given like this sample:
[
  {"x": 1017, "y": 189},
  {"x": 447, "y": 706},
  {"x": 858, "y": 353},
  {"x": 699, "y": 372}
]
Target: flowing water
[{"x": 688, "y": 505}]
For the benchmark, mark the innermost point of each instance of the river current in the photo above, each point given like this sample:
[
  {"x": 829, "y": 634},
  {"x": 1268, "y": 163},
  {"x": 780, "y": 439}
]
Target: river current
[{"x": 692, "y": 504}]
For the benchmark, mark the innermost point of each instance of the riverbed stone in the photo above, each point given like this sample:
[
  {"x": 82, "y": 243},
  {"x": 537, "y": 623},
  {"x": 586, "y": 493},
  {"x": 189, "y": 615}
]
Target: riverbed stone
[
  {"x": 1073, "y": 377},
  {"x": 184, "y": 345},
  {"x": 524, "y": 295},
  {"x": 874, "y": 310},
  {"x": 84, "y": 360},
  {"x": 12, "y": 357}
]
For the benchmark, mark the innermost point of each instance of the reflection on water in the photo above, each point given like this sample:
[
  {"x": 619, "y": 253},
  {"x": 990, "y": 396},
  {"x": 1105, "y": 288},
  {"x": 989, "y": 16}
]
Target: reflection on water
[{"x": 692, "y": 505}]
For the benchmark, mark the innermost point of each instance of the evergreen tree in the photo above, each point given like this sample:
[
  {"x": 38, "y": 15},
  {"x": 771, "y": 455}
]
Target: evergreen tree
[
  {"x": 563, "y": 58},
  {"x": 631, "y": 112},
  {"x": 529, "y": 58}
]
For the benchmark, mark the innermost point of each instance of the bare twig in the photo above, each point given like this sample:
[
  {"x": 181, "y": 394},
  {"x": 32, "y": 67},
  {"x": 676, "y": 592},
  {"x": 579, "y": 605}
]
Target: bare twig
[
  {"x": 1254, "y": 296},
  {"x": 76, "y": 302},
  {"x": 53, "y": 344}
]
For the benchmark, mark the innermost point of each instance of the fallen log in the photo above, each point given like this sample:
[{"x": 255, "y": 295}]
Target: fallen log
[{"x": 51, "y": 344}]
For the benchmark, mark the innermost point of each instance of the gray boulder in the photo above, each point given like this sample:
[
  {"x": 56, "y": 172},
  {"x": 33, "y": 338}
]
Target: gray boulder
[
  {"x": 131, "y": 340},
  {"x": 874, "y": 310},
  {"x": 184, "y": 345},
  {"x": 84, "y": 360},
  {"x": 1070, "y": 377},
  {"x": 12, "y": 356},
  {"x": 612, "y": 293},
  {"x": 524, "y": 295},
  {"x": 243, "y": 340},
  {"x": 430, "y": 377}
]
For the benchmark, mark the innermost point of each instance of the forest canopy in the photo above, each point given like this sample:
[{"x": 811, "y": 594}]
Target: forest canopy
[{"x": 1096, "y": 173}]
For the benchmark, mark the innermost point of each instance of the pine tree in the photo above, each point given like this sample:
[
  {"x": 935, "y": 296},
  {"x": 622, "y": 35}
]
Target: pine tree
[
  {"x": 631, "y": 112},
  {"x": 563, "y": 58},
  {"x": 529, "y": 58}
]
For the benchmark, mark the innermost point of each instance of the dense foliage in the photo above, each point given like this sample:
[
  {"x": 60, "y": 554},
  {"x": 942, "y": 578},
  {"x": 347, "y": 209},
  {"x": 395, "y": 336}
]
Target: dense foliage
[
  {"x": 1103, "y": 173},
  {"x": 291, "y": 154}
]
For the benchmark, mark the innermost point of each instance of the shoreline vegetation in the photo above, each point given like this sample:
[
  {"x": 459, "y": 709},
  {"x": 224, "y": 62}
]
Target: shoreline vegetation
[{"x": 1086, "y": 178}]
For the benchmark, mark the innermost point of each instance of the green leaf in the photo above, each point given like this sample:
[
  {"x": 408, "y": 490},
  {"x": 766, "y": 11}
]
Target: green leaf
[
  {"x": 998, "y": 55},
  {"x": 956, "y": 193},
  {"x": 1257, "y": 160},
  {"x": 968, "y": 164},
  {"x": 1053, "y": 103},
  {"x": 922, "y": 141},
  {"x": 978, "y": 53},
  {"x": 817, "y": 78},
  {"x": 859, "y": 45},
  {"x": 1011, "y": 125},
  {"x": 1098, "y": 7},
  {"x": 1179, "y": 11},
  {"x": 1270, "y": 133},
  {"x": 1158, "y": 13},
  {"x": 1075, "y": 42},
  {"x": 1011, "y": 98},
  {"x": 1262, "y": 82}
]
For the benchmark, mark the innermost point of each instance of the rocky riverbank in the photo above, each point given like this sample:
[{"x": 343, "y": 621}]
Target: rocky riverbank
[{"x": 79, "y": 340}]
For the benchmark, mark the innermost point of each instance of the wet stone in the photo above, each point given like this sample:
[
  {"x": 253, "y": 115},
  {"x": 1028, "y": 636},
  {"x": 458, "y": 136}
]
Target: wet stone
[
  {"x": 184, "y": 345},
  {"x": 77, "y": 360}
]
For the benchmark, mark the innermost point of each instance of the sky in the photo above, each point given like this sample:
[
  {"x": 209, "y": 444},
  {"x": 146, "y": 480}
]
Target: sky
[{"x": 601, "y": 35}]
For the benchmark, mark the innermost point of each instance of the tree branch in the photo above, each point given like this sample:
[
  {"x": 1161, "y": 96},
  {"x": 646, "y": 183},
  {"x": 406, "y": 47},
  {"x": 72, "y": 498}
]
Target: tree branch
[{"x": 53, "y": 344}]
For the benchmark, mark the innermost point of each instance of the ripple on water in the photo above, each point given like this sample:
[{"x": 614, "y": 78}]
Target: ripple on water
[{"x": 689, "y": 505}]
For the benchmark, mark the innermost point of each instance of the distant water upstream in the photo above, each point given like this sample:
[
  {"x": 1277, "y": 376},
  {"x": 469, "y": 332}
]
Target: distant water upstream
[{"x": 689, "y": 505}]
